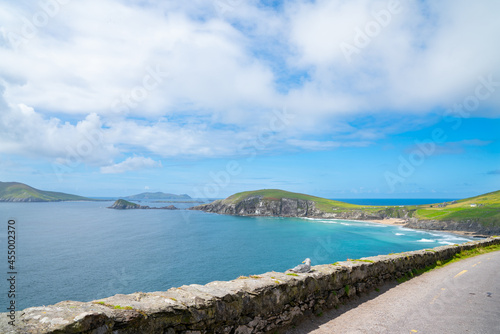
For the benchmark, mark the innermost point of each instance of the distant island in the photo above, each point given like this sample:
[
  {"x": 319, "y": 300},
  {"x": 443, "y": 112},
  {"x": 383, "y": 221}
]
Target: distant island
[
  {"x": 20, "y": 192},
  {"x": 122, "y": 204},
  {"x": 157, "y": 195},
  {"x": 480, "y": 214}
]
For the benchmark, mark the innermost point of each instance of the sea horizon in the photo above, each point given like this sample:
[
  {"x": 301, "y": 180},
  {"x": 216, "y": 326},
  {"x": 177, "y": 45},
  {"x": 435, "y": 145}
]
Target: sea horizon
[{"x": 359, "y": 201}]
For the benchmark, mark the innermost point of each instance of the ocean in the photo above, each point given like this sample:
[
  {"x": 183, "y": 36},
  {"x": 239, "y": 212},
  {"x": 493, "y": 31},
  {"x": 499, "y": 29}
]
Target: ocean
[{"x": 84, "y": 251}]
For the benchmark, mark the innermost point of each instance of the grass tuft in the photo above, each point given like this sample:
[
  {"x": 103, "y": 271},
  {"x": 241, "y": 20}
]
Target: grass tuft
[{"x": 361, "y": 260}]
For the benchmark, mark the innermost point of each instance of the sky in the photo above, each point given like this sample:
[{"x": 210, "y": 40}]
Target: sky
[{"x": 339, "y": 99}]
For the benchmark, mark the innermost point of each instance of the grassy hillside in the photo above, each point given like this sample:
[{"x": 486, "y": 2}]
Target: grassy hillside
[
  {"x": 19, "y": 192},
  {"x": 484, "y": 207},
  {"x": 325, "y": 205}
]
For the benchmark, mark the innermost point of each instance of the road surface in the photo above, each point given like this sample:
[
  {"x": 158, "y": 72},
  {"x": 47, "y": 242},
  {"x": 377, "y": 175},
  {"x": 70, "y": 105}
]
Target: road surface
[{"x": 463, "y": 297}]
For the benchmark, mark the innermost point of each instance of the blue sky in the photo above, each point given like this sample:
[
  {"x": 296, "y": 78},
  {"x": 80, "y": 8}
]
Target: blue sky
[{"x": 357, "y": 99}]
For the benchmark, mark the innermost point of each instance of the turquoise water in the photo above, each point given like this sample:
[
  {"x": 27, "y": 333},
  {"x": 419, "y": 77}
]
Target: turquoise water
[{"x": 84, "y": 251}]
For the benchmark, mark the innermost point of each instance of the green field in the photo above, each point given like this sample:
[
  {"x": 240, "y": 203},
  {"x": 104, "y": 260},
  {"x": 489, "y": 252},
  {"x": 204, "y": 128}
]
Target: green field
[
  {"x": 14, "y": 191},
  {"x": 484, "y": 208}
]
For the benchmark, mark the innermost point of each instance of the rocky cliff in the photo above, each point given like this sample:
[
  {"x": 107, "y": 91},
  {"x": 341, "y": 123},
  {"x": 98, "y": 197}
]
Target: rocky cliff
[{"x": 282, "y": 207}]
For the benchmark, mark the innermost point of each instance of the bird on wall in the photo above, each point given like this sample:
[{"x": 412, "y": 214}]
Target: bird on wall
[{"x": 302, "y": 268}]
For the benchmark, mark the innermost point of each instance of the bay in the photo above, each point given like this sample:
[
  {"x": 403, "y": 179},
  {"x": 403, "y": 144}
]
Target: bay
[{"x": 85, "y": 251}]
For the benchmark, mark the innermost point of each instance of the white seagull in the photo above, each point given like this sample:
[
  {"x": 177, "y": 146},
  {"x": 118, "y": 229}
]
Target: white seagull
[{"x": 302, "y": 268}]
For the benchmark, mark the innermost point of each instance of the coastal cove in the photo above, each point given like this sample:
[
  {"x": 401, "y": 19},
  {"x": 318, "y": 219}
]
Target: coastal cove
[{"x": 84, "y": 251}]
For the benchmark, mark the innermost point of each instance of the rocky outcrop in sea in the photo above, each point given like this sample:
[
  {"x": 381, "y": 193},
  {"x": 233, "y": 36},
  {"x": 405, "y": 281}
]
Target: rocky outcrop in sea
[{"x": 126, "y": 205}]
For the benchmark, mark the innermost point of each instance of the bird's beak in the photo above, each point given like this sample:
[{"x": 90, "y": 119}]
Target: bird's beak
[{"x": 304, "y": 261}]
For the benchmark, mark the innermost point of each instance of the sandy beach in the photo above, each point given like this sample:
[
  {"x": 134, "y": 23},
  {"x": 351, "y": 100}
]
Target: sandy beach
[
  {"x": 388, "y": 221},
  {"x": 401, "y": 222}
]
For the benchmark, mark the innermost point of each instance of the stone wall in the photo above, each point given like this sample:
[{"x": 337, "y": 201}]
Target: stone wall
[{"x": 257, "y": 304}]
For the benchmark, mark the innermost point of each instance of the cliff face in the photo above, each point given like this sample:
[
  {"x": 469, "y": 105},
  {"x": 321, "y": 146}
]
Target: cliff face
[
  {"x": 257, "y": 206},
  {"x": 284, "y": 207}
]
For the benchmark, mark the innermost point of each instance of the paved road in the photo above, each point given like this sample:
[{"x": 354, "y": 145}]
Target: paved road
[{"x": 463, "y": 297}]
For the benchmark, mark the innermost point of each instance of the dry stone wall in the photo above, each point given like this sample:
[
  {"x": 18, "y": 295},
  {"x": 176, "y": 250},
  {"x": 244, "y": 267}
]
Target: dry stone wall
[{"x": 257, "y": 304}]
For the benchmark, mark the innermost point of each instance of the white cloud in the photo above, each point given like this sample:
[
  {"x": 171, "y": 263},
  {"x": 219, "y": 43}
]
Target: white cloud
[
  {"x": 131, "y": 164},
  {"x": 96, "y": 52},
  {"x": 168, "y": 139},
  {"x": 429, "y": 55},
  {"x": 318, "y": 29},
  {"x": 73, "y": 76},
  {"x": 26, "y": 132}
]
